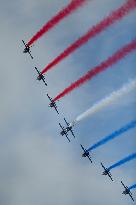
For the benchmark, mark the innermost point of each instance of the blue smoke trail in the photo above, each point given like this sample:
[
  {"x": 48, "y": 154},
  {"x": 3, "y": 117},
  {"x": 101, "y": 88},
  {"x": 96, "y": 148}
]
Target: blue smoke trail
[
  {"x": 132, "y": 187},
  {"x": 122, "y": 161},
  {"x": 115, "y": 134}
]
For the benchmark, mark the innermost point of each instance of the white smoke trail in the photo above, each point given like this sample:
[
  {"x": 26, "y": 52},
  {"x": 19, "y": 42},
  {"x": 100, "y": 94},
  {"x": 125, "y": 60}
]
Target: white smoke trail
[{"x": 106, "y": 101}]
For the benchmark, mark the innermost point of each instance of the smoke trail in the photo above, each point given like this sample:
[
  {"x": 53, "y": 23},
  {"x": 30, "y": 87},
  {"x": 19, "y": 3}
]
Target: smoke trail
[
  {"x": 106, "y": 101},
  {"x": 112, "y": 136},
  {"x": 98, "y": 69},
  {"x": 132, "y": 187},
  {"x": 112, "y": 18},
  {"x": 71, "y": 7},
  {"x": 123, "y": 161}
]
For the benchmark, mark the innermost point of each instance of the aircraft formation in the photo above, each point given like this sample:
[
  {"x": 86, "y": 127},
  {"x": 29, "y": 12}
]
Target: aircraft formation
[{"x": 68, "y": 128}]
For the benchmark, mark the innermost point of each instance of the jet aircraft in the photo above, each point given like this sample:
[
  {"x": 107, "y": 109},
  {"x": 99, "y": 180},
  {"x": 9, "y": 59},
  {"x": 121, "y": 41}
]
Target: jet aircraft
[
  {"x": 52, "y": 104},
  {"x": 27, "y": 49},
  {"x": 66, "y": 130},
  {"x": 40, "y": 76},
  {"x": 86, "y": 153},
  {"x": 127, "y": 191},
  {"x": 106, "y": 172}
]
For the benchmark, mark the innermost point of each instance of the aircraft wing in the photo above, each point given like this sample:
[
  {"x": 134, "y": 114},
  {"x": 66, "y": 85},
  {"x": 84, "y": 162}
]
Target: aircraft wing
[
  {"x": 61, "y": 126},
  {"x": 37, "y": 71},
  {"x": 49, "y": 97},
  {"x": 56, "y": 109},
  {"x": 103, "y": 166},
  {"x": 90, "y": 159},
  {"x": 66, "y": 122},
  {"x": 30, "y": 54},
  {"x": 110, "y": 176},
  {"x": 130, "y": 194},
  {"x": 43, "y": 79},
  {"x": 72, "y": 133},
  {"x": 82, "y": 148},
  {"x": 66, "y": 135},
  {"x": 123, "y": 185},
  {"x": 24, "y": 43}
]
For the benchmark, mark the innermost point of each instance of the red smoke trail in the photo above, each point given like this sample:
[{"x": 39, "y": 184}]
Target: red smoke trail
[
  {"x": 113, "y": 17},
  {"x": 101, "y": 67},
  {"x": 71, "y": 7}
]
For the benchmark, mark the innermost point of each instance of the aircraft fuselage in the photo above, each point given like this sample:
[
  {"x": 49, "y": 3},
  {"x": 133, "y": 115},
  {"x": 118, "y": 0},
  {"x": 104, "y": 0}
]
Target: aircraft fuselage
[
  {"x": 52, "y": 104},
  {"x": 106, "y": 172},
  {"x": 39, "y": 77},
  {"x": 126, "y": 192},
  {"x": 27, "y": 49},
  {"x": 85, "y": 154},
  {"x": 68, "y": 128},
  {"x": 63, "y": 132}
]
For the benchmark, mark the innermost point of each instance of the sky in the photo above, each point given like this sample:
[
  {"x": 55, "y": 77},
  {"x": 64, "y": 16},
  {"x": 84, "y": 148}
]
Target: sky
[{"x": 38, "y": 166}]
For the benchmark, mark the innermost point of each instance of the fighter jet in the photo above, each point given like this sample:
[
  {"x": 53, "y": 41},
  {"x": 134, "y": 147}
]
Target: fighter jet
[
  {"x": 66, "y": 130},
  {"x": 86, "y": 153},
  {"x": 127, "y": 191},
  {"x": 106, "y": 172},
  {"x": 52, "y": 104},
  {"x": 27, "y": 49},
  {"x": 40, "y": 76}
]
